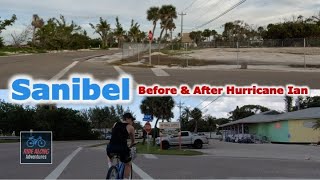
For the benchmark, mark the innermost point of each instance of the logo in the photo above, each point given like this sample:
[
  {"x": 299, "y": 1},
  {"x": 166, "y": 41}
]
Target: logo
[{"x": 35, "y": 147}]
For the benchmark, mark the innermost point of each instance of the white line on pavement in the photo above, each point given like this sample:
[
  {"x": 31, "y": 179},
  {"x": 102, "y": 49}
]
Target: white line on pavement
[
  {"x": 122, "y": 72},
  {"x": 140, "y": 172},
  {"x": 150, "y": 156},
  {"x": 159, "y": 72},
  {"x": 59, "y": 169},
  {"x": 64, "y": 71}
]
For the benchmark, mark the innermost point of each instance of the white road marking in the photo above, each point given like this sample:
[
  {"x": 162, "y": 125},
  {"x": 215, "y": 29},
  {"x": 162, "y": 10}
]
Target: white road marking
[
  {"x": 140, "y": 172},
  {"x": 150, "y": 156},
  {"x": 59, "y": 169},
  {"x": 64, "y": 71},
  {"x": 122, "y": 72},
  {"x": 159, "y": 72}
]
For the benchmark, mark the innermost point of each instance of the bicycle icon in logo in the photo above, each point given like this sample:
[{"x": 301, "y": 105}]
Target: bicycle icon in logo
[{"x": 33, "y": 142}]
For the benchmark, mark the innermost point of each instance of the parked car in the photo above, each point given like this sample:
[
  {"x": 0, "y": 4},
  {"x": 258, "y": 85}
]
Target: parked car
[{"x": 187, "y": 139}]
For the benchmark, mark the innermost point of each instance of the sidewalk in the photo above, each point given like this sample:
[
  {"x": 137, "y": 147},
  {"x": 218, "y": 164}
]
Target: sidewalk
[{"x": 269, "y": 151}]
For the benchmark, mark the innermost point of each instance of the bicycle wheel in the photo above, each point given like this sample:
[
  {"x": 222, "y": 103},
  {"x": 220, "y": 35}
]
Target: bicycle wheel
[{"x": 112, "y": 173}]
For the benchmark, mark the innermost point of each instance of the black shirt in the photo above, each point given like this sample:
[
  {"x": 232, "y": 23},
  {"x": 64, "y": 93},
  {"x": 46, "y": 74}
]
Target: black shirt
[{"x": 119, "y": 135}]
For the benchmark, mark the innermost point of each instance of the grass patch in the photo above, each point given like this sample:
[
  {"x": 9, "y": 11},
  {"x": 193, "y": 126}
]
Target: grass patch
[
  {"x": 9, "y": 141},
  {"x": 175, "y": 52},
  {"x": 143, "y": 149},
  {"x": 3, "y": 53}
]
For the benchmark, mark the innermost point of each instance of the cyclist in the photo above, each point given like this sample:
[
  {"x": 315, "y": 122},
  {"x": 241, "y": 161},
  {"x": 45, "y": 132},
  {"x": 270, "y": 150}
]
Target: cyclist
[{"x": 121, "y": 131}]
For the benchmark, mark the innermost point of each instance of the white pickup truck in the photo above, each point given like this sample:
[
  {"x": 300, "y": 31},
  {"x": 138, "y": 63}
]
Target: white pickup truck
[{"x": 187, "y": 139}]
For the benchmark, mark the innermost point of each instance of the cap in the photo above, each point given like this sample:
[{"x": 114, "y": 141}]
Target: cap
[{"x": 128, "y": 115}]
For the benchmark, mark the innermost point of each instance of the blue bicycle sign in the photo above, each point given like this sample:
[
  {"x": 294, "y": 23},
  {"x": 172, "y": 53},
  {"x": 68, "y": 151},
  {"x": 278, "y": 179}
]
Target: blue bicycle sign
[{"x": 36, "y": 142}]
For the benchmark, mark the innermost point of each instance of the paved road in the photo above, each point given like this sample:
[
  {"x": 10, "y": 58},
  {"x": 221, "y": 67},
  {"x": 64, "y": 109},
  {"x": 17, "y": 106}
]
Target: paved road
[
  {"x": 47, "y": 66},
  {"x": 89, "y": 163}
]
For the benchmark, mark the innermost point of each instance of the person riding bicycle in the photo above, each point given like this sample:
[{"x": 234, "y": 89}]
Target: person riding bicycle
[{"x": 121, "y": 131}]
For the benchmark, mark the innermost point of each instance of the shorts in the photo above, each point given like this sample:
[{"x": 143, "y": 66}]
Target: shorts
[{"x": 123, "y": 151}]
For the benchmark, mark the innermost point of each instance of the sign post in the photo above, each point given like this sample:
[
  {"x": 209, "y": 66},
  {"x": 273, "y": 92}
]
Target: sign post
[
  {"x": 150, "y": 40},
  {"x": 147, "y": 128}
]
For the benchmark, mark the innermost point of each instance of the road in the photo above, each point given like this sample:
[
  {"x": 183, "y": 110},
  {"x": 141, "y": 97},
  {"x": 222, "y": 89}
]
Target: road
[
  {"x": 89, "y": 163},
  {"x": 61, "y": 65}
]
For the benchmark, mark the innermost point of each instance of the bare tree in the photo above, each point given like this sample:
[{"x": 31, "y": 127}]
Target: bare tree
[{"x": 19, "y": 39}]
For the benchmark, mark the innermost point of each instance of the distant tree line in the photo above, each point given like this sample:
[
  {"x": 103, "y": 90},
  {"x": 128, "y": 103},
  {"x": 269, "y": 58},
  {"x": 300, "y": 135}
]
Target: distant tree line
[
  {"x": 65, "y": 123},
  {"x": 297, "y": 27}
]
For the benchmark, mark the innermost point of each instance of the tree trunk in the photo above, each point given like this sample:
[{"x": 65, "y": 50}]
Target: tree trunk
[
  {"x": 154, "y": 28},
  {"x": 154, "y": 132},
  {"x": 34, "y": 36},
  {"x": 160, "y": 38}
]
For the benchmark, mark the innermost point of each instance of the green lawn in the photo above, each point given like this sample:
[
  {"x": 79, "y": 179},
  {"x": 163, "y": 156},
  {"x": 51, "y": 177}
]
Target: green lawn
[
  {"x": 9, "y": 50},
  {"x": 3, "y": 53},
  {"x": 143, "y": 149}
]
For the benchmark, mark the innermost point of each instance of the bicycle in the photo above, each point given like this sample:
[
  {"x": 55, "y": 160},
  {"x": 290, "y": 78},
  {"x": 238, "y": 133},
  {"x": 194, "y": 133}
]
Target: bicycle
[
  {"x": 117, "y": 171},
  {"x": 39, "y": 142}
]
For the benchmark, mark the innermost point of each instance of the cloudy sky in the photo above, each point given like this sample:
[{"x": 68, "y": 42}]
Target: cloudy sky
[
  {"x": 257, "y": 12},
  {"x": 218, "y": 108}
]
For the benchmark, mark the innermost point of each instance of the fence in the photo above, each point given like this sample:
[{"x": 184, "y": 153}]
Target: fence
[{"x": 270, "y": 53}]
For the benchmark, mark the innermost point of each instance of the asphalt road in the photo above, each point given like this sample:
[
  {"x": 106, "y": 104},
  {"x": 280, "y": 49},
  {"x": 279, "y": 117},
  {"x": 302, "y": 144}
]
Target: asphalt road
[
  {"x": 90, "y": 163},
  {"x": 47, "y": 66}
]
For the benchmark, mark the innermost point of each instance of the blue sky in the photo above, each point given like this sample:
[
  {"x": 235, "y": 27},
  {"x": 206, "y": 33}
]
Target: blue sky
[
  {"x": 259, "y": 12},
  {"x": 218, "y": 108}
]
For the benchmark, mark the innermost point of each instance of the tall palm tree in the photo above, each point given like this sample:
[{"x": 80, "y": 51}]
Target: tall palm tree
[
  {"x": 167, "y": 13},
  {"x": 36, "y": 23},
  {"x": 119, "y": 32},
  {"x": 153, "y": 15},
  {"x": 103, "y": 29}
]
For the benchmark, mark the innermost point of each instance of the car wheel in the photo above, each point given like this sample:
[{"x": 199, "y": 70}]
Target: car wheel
[{"x": 197, "y": 144}]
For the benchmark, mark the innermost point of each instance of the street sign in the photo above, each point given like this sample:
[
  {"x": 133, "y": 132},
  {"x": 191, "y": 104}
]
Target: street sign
[
  {"x": 150, "y": 36},
  {"x": 147, "y": 127},
  {"x": 169, "y": 125},
  {"x": 147, "y": 117}
]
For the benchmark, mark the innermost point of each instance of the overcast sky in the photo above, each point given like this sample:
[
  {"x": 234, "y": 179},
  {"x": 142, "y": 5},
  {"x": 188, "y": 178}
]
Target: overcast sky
[
  {"x": 219, "y": 108},
  {"x": 258, "y": 12}
]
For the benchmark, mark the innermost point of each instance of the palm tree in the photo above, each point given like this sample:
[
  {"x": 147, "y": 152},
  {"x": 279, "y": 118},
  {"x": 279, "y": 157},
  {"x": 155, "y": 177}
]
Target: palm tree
[
  {"x": 102, "y": 28},
  {"x": 196, "y": 115},
  {"x": 171, "y": 27},
  {"x": 159, "y": 107},
  {"x": 211, "y": 123},
  {"x": 119, "y": 32},
  {"x": 37, "y": 22},
  {"x": 167, "y": 13},
  {"x": 214, "y": 33},
  {"x": 134, "y": 31},
  {"x": 206, "y": 33},
  {"x": 153, "y": 15}
]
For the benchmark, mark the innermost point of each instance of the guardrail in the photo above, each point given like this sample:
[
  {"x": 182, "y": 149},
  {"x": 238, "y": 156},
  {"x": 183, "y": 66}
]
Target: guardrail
[{"x": 9, "y": 137}]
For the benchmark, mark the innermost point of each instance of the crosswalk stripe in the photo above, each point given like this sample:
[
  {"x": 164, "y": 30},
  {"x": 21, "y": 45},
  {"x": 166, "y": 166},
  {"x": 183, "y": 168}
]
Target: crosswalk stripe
[
  {"x": 150, "y": 156},
  {"x": 159, "y": 72}
]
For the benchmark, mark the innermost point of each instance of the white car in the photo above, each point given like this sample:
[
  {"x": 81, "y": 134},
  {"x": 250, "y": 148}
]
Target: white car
[{"x": 187, "y": 139}]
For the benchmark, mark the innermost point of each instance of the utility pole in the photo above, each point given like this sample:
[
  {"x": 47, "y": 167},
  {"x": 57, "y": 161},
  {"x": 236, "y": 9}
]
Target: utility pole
[
  {"x": 180, "y": 106},
  {"x": 182, "y": 14}
]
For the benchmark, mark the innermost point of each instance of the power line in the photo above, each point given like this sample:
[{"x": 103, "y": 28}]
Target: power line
[
  {"x": 203, "y": 101},
  {"x": 185, "y": 9},
  {"x": 208, "y": 9},
  {"x": 225, "y": 12},
  {"x": 211, "y": 102}
]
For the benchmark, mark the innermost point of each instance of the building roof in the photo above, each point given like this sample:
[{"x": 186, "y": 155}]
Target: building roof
[{"x": 272, "y": 116}]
